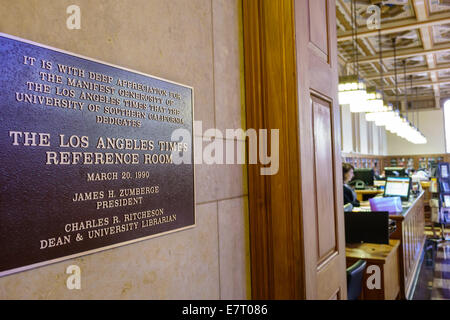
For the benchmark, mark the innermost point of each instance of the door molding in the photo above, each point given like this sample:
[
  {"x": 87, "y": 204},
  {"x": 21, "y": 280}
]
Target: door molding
[
  {"x": 276, "y": 244},
  {"x": 297, "y": 247}
]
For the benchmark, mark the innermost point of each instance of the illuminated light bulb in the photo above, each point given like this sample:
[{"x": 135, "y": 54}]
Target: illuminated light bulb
[
  {"x": 376, "y": 105},
  {"x": 403, "y": 132},
  {"x": 392, "y": 122},
  {"x": 344, "y": 98},
  {"x": 358, "y": 101},
  {"x": 372, "y": 116},
  {"x": 352, "y": 91},
  {"x": 395, "y": 123},
  {"x": 375, "y": 101}
]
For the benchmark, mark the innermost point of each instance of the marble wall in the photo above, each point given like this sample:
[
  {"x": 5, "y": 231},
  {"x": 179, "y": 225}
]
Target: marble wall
[{"x": 195, "y": 42}]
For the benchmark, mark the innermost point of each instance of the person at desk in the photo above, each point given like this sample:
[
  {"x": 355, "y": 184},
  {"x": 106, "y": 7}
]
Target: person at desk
[
  {"x": 375, "y": 169},
  {"x": 410, "y": 172},
  {"x": 349, "y": 193},
  {"x": 376, "y": 172}
]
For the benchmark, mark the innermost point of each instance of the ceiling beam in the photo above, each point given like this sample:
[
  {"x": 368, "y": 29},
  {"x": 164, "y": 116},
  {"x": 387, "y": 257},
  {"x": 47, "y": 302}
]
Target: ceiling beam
[
  {"x": 425, "y": 82},
  {"x": 421, "y": 10},
  {"x": 422, "y": 24},
  {"x": 397, "y": 26},
  {"x": 405, "y": 53},
  {"x": 409, "y": 72},
  {"x": 410, "y": 98}
]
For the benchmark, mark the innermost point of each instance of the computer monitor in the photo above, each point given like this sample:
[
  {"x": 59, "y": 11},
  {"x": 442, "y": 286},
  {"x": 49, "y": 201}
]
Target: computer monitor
[
  {"x": 443, "y": 169},
  {"x": 368, "y": 227},
  {"x": 395, "y": 172},
  {"x": 364, "y": 175},
  {"x": 398, "y": 187}
]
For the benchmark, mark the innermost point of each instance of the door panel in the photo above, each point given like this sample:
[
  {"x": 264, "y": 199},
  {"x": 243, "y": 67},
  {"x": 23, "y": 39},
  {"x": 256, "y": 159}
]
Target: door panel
[
  {"x": 318, "y": 11},
  {"x": 329, "y": 281},
  {"x": 320, "y": 151},
  {"x": 325, "y": 209}
]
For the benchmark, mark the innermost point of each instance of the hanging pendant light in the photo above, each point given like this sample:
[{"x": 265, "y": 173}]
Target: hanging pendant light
[
  {"x": 352, "y": 89},
  {"x": 379, "y": 111},
  {"x": 394, "y": 123},
  {"x": 417, "y": 136},
  {"x": 374, "y": 116},
  {"x": 388, "y": 115},
  {"x": 392, "y": 126},
  {"x": 375, "y": 101},
  {"x": 384, "y": 118},
  {"x": 410, "y": 132},
  {"x": 404, "y": 127}
]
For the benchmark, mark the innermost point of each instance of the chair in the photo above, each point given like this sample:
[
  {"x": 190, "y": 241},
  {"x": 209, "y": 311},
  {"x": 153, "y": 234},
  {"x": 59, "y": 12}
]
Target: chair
[
  {"x": 348, "y": 207},
  {"x": 355, "y": 275}
]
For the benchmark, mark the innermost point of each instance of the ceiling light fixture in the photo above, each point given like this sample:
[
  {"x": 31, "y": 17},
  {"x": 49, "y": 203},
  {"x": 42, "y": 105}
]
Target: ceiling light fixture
[{"x": 352, "y": 89}]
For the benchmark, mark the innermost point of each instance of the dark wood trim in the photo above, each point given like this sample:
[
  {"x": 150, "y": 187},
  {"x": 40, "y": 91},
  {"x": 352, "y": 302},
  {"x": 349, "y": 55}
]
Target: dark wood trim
[{"x": 272, "y": 103}]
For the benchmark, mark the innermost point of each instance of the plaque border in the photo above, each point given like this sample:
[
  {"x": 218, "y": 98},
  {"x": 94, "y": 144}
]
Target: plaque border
[{"x": 120, "y": 244}]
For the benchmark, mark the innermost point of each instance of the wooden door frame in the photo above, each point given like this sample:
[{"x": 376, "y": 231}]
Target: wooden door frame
[
  {"x": 281, "y": 265},
  {"x": 276, "y": 240}
]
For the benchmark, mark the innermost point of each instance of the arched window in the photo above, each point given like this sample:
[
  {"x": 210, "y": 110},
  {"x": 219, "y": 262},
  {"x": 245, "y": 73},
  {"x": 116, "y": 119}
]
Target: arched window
[{"x": 447, "y": 124}]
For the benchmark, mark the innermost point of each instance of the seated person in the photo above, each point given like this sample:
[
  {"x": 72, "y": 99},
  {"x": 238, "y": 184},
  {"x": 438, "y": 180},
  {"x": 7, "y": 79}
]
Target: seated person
[
  {"x": 420, "y": 176},
  {"x": 376, "y": 173},
  {"x": 375, "y": 169},
  {"x": 395, "y": 174},
  {"x": 349, "y": 193}
]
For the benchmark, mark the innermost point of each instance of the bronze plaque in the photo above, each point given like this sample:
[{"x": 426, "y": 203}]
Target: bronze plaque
[{"x": 86, "y": 160}]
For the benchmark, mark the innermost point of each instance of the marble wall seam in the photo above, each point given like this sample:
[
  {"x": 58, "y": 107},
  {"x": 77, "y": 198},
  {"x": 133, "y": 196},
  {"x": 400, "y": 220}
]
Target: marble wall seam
[
  {"x": 219, "y": 181},
  {"x": 228, "y": 64},
  {"x": 213, "y": 59},
  {"x": 218, "y": 248},
  {"x": 216, "y": 182},
  {"x": 225, "y": 199}
]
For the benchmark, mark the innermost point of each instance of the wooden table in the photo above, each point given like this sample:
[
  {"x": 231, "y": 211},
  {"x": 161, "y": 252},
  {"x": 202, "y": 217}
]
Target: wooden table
[
  {"x": 386, "y": 259},
  {"x": 367, "y": 192},
  {"x": 410, "y": 232}
]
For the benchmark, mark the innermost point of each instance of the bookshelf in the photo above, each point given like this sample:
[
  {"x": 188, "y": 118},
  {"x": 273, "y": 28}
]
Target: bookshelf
[
  {"x": 360, "y": 161},
  {"x": 416, "y": 162}
]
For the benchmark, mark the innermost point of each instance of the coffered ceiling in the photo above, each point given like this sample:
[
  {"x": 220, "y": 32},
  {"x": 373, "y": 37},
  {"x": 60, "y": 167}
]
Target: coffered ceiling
[{"x": 421, "y": 29}]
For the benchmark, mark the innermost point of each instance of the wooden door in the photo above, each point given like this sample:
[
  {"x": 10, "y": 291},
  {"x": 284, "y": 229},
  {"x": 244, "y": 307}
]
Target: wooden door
[
  {"x": 296, "y": 217},
  {"x": 319, "y": 127}
]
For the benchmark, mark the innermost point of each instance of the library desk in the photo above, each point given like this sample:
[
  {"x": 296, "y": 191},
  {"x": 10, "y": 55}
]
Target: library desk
[{"x": 387, "y": 259}]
